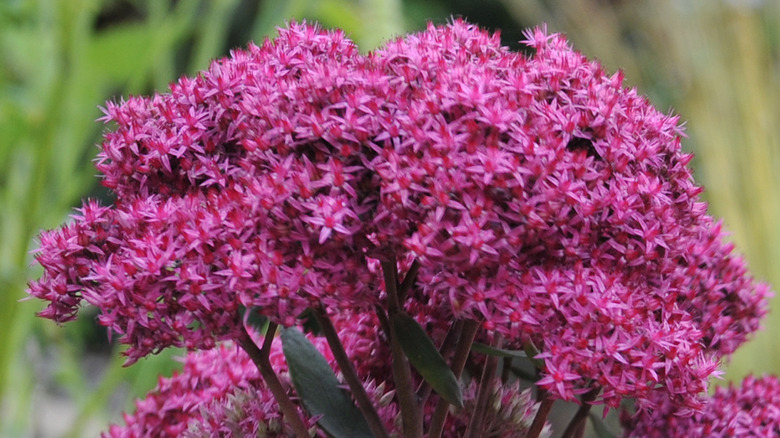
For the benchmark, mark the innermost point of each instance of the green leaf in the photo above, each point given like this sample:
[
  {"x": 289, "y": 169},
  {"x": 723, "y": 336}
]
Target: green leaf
[
  {"x": 320, "y": 390},
  {"x": 425, "y": 358},
  {"x": 309, "y": 322},
  {"x": 253, "y": 319},
  {"x": 531, "y": 351},
  {"x": 500, "y": 352},
  {"x": 523, "y": 374},
  {"x": 600, "y": 428}
]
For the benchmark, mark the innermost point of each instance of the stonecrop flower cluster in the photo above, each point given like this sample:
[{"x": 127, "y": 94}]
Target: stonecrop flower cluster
[
  {"x": 535, "y": 194},
  {"x": 750, "y": 410},
  {"x": 220, "y": 382},
  {"x": 219, "y": 392}
]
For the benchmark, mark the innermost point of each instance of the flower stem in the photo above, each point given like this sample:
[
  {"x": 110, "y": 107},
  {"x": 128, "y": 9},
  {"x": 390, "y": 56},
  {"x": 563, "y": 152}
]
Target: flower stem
[
  {"x": 260, "y": 358},
  {"x": 462, "y": 350},
  {"x": 580, "y": 432},
  {"x": 483, "y": 395},
  {"x": 470, "y": 328},
  {"x": 506, "y": 370},
  {"x": 577, "y": 423},
  {"x": 541, "y": 415},
  {"x": 425, "y": 389},
  {"x": 409, "y": 279},
  {"x": 350, "y": 375},
  {"x": 389, "y": 271},
  {"x": 411, "y": 410}
]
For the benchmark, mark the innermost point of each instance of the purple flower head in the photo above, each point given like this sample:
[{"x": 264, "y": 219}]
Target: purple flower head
[
  {"x": 750, "y": 410},
  {"x": 547, "y": 200},
  {"x": 216, "y": 389},
  {"x": 537, "y": 195},
  {"x": 510, "y": 414},
  {"x": 715, "y": 288},
  {"x": 219, "y": 392},
  {"x": 242, "y": 187}
]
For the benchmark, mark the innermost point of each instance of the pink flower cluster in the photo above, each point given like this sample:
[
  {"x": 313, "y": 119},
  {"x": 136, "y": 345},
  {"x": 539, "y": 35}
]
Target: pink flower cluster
[
  {"x": 213, "y": 387},
  {"x": 751, "y": 410},
  {"x": 219, "y": 392},
  {"x": 538, "y": 195}
]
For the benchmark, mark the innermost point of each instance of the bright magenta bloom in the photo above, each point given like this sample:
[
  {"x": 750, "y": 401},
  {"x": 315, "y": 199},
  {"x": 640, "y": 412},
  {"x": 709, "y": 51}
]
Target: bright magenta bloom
[
  {"x": 216, "y": 389},
  {"x": 539, "y": 196},
  {"x": 219, "y": 392},
  {"x": 751, "y": 410}
]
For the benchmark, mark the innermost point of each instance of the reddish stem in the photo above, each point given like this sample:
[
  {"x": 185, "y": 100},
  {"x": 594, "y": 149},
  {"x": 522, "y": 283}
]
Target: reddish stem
[
  {"x": 411, "y": 409},
  {"x": 577, "y": 424},
  {"x": 541, "y": 416},
  {"x": 260, "y": 358},
  {"x": 350, "y": 375},
  {"x": 462, "y": 350},
  {"x": 483, "y": 395}
]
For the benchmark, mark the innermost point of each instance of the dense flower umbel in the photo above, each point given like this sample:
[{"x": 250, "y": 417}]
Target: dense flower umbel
[
  {"x": 718, "y": 293},
  {"x": 509, "y": 415},
  {"x": 219, "y": 393},
  {"x": 750, "y": 410},
  {"x": 538, "y": 195},
  {"x": 229, "y": 193},
  {"x": 211, "y": 382}
]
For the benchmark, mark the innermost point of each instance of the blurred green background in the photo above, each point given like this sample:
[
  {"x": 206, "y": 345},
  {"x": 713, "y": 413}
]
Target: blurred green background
[{"x": 716, "y": 63}]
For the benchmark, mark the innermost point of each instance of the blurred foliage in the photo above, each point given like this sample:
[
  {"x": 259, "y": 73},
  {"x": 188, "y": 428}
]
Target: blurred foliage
[{"x": 714, "y": 61}]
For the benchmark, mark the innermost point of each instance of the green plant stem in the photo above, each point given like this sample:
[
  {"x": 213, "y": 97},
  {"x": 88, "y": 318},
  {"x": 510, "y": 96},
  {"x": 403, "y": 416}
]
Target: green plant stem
[
  {"x": 577, "y": 424},
  {"x": 411, "y": 412},
  {"x": 483, "y": 395},
  {"x": 350, "y": 375},
  {"x": 541, "y": 415},
  {"x": 260, "y": 358},
  {"x": 462, "y": 350}
]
